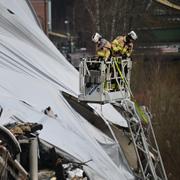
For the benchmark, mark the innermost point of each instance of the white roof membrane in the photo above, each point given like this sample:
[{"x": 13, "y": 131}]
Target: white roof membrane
[{"x": 33, "y": 71}]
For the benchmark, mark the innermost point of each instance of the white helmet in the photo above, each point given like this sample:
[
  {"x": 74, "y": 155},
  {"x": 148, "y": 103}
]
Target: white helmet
[
  {"x": 132, "y": 35},
  {"x": 96, "y": 37}
]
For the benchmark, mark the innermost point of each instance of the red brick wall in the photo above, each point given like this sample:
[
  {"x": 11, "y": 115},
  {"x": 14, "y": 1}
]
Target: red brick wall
[{"x": 40, "y": 7}]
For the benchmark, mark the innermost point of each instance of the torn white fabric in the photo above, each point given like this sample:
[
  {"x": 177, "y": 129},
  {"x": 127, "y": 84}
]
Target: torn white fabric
[{"x": 109, "y": 113}]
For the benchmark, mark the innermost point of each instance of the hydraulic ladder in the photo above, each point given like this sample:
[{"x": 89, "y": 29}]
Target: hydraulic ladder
[
  {"x": 150, "y": 165},
  {"x": 142, "y": 135}
]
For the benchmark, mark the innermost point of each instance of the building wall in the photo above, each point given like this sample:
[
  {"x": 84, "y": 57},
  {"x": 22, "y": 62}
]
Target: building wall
[{"x": 40, "y": 7}]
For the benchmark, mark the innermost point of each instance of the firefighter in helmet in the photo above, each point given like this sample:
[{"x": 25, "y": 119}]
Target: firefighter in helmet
[
  {"x": 103, "y": 47},
  {"x": 123, "y": 45}
]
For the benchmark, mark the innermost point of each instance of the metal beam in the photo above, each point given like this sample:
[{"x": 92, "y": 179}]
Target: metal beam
[{"x": 169, "y": 4}]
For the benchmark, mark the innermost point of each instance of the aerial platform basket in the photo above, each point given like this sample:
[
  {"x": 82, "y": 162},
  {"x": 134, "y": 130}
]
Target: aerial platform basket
[{"x": 104, "y": 82}]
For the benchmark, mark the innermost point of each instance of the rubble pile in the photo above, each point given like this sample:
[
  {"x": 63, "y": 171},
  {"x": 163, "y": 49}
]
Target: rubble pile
[{"x": 51, "y": 165}]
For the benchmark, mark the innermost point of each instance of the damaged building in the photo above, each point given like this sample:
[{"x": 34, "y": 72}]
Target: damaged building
[{"x": 45, "y": 131}]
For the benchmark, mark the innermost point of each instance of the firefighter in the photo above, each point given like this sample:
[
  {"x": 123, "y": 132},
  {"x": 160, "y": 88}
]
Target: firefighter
[
  {"x": 123, "y": 45},
  {"x": 103, "y": 47}
]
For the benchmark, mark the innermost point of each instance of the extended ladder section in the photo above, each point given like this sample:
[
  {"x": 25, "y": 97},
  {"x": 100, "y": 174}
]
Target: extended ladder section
[
  {"x": 104, "y": 82},
  {"x": 142, "y": 135}
]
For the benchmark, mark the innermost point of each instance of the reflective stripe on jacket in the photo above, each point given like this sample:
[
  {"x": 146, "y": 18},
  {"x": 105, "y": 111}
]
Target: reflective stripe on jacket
[
  {"x": 103, "y": 49},
  {"x": 119, "y": 46}
]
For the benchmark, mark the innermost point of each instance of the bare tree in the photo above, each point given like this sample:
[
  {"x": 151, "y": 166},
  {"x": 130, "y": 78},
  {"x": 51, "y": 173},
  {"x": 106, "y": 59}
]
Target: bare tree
[
  {"x": 97, "y": 16},
  {"x": 109, "y": 19},
  {"x": 114, "y": 18}
]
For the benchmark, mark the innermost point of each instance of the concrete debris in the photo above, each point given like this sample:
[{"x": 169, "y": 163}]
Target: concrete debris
[
  {"x": 23, "y": 129},
  {"x": 46, "y": 174},
  {"x": 63, "y": 168},
  {"x": 59, "y": 168},
  {"x": 74, "y": 172}
]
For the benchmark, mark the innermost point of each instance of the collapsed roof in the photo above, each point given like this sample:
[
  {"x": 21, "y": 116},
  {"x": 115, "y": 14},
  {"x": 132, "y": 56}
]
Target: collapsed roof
[{"x": 33, "y": 76}]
